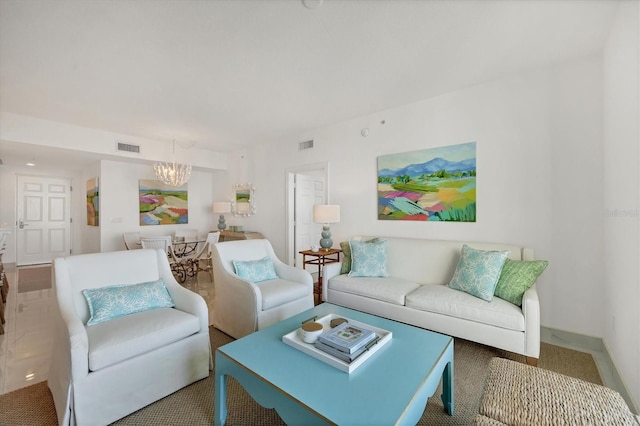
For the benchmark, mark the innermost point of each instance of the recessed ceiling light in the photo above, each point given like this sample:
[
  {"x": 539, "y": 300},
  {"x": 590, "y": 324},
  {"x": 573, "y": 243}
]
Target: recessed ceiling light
[{"x": 30, "y": 164}]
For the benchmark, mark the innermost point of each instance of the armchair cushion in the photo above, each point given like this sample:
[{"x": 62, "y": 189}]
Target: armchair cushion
[
  {"x": 114, "y": 341},
  {"x": 255, "y": 270},
  {"x": 107, "y": 303}
]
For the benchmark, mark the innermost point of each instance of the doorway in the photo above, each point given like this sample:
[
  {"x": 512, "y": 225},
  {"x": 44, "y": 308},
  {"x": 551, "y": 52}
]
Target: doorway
[
  {"x": 306, "y": 186},
  {"x": 43, "y": 218}
]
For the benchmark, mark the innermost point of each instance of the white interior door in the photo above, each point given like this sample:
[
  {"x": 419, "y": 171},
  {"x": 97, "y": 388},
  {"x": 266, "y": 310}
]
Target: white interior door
[
  {"x": 306, "y": 186},
  {"x": 309, "y": 190},
  {"x": 44, "y": 219}
]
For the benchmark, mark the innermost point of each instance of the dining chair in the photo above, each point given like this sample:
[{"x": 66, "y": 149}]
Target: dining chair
[
  {"x": 131, "y": 240},
  {"x": 178, "y": 266},
  {"x": 202, "y": 260}
]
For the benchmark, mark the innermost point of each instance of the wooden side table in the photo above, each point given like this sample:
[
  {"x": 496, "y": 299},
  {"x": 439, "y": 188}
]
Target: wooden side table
[{"x": 320, "y": 258}]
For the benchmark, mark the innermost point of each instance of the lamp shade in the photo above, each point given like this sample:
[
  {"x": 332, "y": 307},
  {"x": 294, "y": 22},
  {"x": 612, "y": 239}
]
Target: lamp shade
[
  {"x": 222, "y": 207},
  {"x": 326, "y": 213}
]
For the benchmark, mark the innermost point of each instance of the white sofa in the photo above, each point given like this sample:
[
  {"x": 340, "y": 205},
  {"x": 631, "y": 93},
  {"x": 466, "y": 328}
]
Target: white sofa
[
  {"x": 103, "y": 372},
  {"x": 241, "y": 306},
  {"x": 416, "y": 293}
]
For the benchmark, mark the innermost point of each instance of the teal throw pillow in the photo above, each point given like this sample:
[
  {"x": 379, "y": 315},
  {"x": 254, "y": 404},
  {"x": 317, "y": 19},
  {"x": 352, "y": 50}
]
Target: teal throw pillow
[
  {"x": 255, "y": 270},
  {"x": 346, "y": 255},
  {"x": 368, "y": 259},
  {"x": 516, "y": 278},
  {"x": 107, "y": 303},
  {"x": 478, "y": 271}
]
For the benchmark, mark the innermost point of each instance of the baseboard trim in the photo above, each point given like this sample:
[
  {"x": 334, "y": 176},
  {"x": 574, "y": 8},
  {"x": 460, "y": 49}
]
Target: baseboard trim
[{"x": 601, "y": 354}]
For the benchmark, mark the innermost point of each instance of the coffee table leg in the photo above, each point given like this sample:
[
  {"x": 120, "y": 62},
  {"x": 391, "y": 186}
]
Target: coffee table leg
[
  {"x": 447, "y": 387},
  {"x": 220, "y": 404}
]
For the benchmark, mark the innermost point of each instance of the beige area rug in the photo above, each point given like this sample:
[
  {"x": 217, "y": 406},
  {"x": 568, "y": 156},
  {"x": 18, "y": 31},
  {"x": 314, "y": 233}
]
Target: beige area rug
[
  {"x": 34, "y": 278},
  {"x": 193, "y": 405}
]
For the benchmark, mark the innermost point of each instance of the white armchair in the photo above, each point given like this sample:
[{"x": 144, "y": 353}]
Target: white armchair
[
  {"x": 241, "y": 306},
  {"x": 103, "y": 372}
]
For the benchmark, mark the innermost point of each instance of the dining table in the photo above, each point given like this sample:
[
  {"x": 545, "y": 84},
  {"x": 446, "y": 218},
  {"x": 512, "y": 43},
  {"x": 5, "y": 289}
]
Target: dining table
[{"x": 184, "y": 252}]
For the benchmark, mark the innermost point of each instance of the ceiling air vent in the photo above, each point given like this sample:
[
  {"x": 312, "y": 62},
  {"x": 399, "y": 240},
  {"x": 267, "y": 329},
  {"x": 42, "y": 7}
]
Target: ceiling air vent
[
  {"x": 305, "y": 145},
  {"x": 128, "y": 147}
]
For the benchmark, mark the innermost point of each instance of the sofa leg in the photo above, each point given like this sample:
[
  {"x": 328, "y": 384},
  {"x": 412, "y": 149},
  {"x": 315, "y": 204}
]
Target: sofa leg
[{"x": 531, "y": 361}]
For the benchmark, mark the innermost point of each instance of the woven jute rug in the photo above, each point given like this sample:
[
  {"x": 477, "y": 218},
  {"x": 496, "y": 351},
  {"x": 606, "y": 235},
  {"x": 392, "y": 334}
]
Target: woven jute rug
[{"x": 193, "y": 405}]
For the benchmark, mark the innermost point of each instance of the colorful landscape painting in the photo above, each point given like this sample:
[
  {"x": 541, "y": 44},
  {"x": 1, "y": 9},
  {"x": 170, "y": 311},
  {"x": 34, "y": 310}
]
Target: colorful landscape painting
[
  {"x": 437, "y": 184},
  {"x": 161, "y": 204},
  {"x": 93, "y": 202}
]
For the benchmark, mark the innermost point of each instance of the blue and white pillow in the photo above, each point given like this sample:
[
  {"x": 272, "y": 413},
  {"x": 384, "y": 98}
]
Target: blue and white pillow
[
  {"x": 478, "y": 271},
  {"x": 255, "y": 270},
  {"x": 368, "y": 259},
  {"x": 107, "y": 303}
]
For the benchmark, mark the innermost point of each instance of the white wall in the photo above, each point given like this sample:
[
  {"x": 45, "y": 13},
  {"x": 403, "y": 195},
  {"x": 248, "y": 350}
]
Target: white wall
[
  {"x": 523, "y": 169},
  {"x": 120, "y": 203},
  {"x": 622, "y": 195}
]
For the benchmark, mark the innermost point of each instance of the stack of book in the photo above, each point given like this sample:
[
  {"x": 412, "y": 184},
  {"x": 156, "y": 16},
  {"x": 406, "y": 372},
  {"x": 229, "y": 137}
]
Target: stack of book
[{"x": 346, "y": 341}]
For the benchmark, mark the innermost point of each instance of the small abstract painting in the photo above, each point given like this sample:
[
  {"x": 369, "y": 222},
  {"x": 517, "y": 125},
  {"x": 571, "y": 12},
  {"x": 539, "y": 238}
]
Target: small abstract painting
[
  {"x": 436, "y": 184},
  {"x": 161, "y": 204},
  {"x": 93, "y": 202}
]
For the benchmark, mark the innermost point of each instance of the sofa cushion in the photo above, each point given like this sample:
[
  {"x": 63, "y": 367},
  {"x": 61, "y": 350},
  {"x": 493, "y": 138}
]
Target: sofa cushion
[
  {"x": 107, "y": 303},
  {"x": 478, "y": 271},
  {"x": 392, "y": 290},
  {"x": 278, "y": 292},
  {"x": 444, "y": 300},
  {"x": 368, "y": 259},
  {"x": 114, "y": 341},
  {"x": 516, "y": 278},
  {"x": 255, "y": 270}
]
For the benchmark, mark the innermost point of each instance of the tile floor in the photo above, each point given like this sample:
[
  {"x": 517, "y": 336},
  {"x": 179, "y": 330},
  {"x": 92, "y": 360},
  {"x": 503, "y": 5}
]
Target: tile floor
[{"x": 25, "y": 348}]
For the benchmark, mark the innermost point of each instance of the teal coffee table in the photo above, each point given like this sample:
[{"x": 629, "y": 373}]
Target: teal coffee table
[{"x": 391, "y": 387}]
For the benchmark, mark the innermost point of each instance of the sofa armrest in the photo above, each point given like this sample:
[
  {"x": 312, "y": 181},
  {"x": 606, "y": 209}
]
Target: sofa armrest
[
  {"x": 531, "y": 312},
  {"x": 329, "y": 271},
  {"x": 237, "y": 302}
]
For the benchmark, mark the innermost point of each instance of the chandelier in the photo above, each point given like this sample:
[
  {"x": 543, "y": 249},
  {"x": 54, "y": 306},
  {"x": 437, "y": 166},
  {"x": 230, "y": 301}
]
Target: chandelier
[{"x": 172, "y": 173}]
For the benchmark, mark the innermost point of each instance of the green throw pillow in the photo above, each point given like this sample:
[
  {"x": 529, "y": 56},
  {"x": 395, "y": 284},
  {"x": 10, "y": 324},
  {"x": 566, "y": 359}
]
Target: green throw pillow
[
  {"x": 516, "y": 278},
  {"x": 346, "y": 255}
]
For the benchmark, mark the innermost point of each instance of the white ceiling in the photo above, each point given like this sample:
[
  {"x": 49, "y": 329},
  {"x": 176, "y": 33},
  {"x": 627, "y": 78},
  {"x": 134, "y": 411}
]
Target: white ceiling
[{"x": 231, "y": 74}]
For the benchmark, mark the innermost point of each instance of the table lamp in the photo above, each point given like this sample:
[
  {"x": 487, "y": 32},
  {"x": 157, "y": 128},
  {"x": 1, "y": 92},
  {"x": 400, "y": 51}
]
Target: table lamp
[
  {"x": 222, "y": 207},
  {"x": 326, "y": 214}
]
